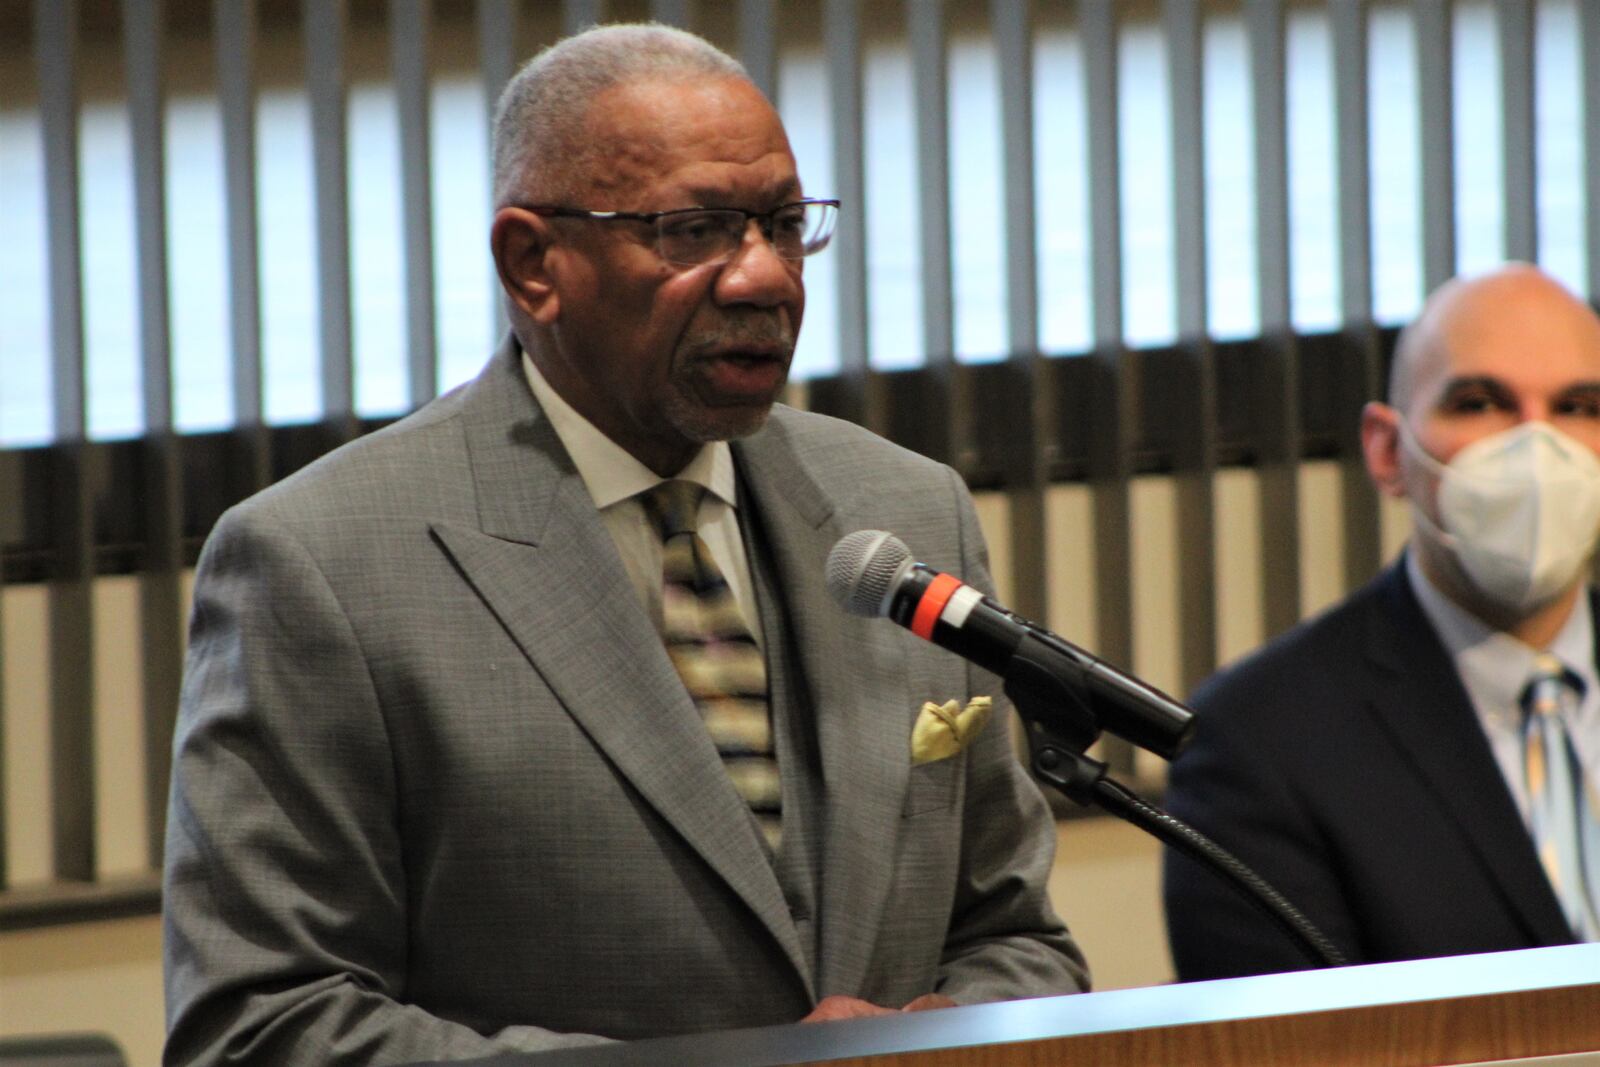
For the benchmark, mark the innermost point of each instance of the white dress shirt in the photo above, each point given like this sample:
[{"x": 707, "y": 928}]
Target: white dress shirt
[{"x": 614, "y": 479}]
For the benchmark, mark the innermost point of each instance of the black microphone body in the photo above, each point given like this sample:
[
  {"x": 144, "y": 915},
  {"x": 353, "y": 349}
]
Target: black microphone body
[
  {"x": 988, "y": 637},
  {"x": 1082, "y": 693}
]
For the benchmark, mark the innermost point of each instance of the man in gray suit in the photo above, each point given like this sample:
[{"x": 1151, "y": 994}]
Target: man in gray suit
[{"x": 439, "y": 790}]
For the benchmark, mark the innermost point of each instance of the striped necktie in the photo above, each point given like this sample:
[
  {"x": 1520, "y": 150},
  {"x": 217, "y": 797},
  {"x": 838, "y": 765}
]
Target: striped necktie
[
  {"x": 714, "y": 652},
  {"x": 1563, "y": 809}
]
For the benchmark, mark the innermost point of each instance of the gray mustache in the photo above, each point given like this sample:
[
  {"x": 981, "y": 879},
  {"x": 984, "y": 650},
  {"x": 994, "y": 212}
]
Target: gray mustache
[{"x": 764, "y": 333}]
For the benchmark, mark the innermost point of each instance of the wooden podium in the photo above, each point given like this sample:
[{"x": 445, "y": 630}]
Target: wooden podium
[{"x": 1464, "y": 1009}]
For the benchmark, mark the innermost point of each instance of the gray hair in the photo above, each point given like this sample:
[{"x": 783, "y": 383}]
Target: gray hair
[{"x": 539, "y": 143}]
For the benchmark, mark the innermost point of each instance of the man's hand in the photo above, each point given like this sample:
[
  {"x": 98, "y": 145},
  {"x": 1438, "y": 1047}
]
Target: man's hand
[
  {"x": 930, "y": 1002},
  {"x": 842, "y": 1007}
]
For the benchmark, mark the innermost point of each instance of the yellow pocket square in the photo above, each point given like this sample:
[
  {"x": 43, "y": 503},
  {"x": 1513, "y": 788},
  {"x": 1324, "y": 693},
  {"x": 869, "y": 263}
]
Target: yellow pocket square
[{"x": 944, "y": 730}]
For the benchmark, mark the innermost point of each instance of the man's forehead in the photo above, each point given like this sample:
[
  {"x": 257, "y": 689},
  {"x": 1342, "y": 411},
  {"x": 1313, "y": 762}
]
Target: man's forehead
[
  {"x": 1546, "y": 345},
  {"x": 770, "y": 180},
  {"x": 1516, "y": 329},
  {"x": 658, "y": 186},
  {"x": 701, "y": 137},
  {"x": 669, "y": 113}
]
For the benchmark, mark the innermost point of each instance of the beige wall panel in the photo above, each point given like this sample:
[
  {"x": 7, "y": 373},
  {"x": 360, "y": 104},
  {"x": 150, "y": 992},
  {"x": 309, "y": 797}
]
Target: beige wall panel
[
  {"x": 185, "y": 604},
  {"x": 120, "y": 805},
  {"x": 1069, "y": 524},
  {"x": 1107, "y": 886},
  {"x": 994, "y": 515},
  {"x": 1394, "y": 518},
  {"x": 1238, "y": 505},
  {"x": 1153, "y": 518},
  {"x": 103, "y": 977},
  {"x": 26, "y": 619},
  {"x": 1321, "y": 536}
]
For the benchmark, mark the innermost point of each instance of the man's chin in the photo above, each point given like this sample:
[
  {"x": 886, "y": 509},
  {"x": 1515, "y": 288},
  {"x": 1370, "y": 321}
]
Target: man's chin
[
  {"x": 702, "y": 412},
  {"x": 734, "y": 429},
  {"x": 703, "y": 423}
]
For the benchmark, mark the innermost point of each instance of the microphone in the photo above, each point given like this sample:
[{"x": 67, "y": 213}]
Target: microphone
[{"x": 871, "y": 573}]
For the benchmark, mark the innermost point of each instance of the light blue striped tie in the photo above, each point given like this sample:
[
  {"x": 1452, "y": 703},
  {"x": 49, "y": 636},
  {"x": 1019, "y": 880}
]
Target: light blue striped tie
[{"x": 1564, "y": 812}]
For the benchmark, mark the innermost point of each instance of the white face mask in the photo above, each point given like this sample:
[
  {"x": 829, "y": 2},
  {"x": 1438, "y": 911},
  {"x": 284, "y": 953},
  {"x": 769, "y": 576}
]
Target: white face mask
[{"x": 1520, "y": 511}]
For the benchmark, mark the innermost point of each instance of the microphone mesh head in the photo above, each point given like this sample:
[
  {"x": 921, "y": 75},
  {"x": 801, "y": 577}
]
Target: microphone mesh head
[{"x": 862, "y": 568}]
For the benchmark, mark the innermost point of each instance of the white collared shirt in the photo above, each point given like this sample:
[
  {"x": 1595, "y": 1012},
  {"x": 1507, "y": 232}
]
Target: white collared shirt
[
  {"x": 1494, "y": 667},
  {"x": 614, "y": 479}
]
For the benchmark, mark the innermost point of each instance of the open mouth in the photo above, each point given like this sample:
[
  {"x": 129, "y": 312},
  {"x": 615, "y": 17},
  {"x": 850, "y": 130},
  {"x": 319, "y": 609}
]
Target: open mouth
[{"x": 743, "y": 377}]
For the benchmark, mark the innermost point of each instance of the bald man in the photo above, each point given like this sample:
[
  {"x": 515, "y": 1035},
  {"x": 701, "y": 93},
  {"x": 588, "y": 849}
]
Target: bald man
[{"x": 1373, "y": 764}]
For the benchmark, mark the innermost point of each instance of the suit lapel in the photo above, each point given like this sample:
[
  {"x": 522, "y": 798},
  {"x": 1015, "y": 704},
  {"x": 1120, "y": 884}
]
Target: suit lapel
[
  {"x": 1420, "y": 702},
  {"x": 544, "y": 564},
  {"x": 859, "y": 692}
]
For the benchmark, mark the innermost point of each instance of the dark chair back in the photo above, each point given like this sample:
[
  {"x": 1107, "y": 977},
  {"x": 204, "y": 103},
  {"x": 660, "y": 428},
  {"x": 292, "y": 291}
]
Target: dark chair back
[{"x": 60, "y": 1050}]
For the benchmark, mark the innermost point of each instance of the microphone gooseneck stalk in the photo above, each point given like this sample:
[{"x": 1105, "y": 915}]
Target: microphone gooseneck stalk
[{"x": 1064, "y": 694}]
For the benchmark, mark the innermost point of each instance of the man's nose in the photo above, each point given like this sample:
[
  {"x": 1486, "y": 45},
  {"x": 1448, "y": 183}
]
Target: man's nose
[{"x": 757, "y": 274}]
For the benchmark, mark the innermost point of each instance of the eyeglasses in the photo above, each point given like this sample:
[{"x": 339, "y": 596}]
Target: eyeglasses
[{"x": 694, "y": 237}]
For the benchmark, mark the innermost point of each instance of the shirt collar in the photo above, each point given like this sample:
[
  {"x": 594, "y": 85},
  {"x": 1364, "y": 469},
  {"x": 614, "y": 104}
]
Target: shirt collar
[
  {"x": 1495, "y": 666},
  {"x": 609, "y": 471}
]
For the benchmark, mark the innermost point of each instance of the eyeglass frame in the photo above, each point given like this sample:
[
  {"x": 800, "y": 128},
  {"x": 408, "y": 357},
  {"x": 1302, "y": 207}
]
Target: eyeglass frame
[{"x": 763, "y": 220}]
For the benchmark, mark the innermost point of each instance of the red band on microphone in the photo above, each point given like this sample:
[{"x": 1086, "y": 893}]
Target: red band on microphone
[{"x": 940, "y": 590}]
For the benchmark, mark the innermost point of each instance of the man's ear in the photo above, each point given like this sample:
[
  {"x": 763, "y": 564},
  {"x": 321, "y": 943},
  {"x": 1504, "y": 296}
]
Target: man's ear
[
  {"x": 521, "y": 242},
  {"x": 1380, "y": 446}
]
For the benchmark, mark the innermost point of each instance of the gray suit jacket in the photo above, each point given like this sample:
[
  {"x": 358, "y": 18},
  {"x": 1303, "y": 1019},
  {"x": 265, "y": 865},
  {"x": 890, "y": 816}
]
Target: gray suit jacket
[{"x": 438, "y": 792}]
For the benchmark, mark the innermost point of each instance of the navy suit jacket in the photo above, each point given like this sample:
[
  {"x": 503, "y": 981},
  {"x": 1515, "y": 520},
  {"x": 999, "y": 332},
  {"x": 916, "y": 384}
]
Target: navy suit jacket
[{"x": 1344, "y": 762}]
